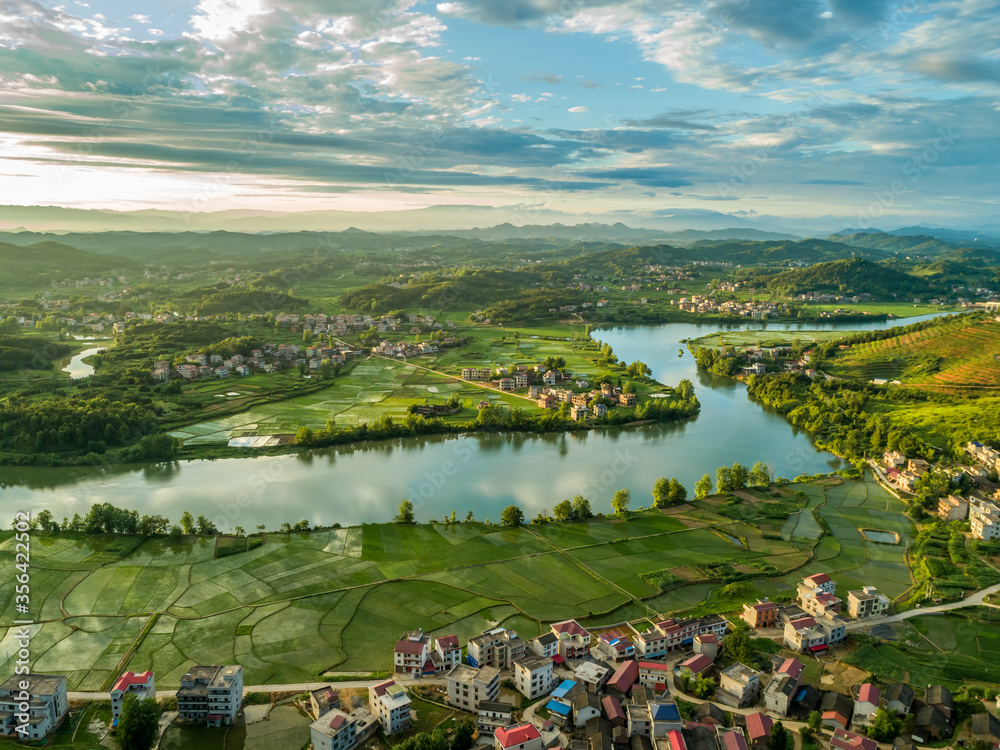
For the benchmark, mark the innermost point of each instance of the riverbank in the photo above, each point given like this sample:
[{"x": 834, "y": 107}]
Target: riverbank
[{"x": 327, "y": 597}]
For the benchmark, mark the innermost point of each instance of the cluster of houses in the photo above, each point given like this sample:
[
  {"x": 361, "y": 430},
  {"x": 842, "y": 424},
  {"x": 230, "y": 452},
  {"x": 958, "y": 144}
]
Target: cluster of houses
[
  {"x": 209, "y": 694},
  {"x": 814, "y": 622},
  {"x": 611, "y": 688},
  {"x": 981, "y": 512},
  {"x": 751, "y": 309},
  {"x": 334, "y": 728},
  {"x": 270, "y": 358}
]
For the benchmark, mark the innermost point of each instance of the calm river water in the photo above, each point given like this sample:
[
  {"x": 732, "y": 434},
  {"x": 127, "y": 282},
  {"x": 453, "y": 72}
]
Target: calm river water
[{"x": 481, "y": 473}]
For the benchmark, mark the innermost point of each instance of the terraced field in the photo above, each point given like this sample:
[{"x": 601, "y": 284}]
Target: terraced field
[
  {"x": 962, "y": 353},
  {"x": 305, "y": 603}
]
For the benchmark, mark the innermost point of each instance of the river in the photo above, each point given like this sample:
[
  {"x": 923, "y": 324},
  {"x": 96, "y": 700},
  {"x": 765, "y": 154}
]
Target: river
[
  {"x": 481, "y": 473},
  {"x": 77, "y": 368}
]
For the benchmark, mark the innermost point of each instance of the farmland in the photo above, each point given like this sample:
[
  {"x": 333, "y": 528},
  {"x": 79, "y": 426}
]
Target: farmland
[
  {"x": 960, "y": 353},
  {"x": 305, "y": 603}
]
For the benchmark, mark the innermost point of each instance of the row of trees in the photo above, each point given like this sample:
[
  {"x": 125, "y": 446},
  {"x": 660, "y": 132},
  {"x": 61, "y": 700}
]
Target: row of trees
[{"x": 735, "y": 477}]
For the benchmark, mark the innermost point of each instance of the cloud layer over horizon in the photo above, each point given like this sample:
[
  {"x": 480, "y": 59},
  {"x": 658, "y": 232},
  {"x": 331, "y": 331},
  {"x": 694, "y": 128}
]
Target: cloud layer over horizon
[{"x": 865, "y": 109}]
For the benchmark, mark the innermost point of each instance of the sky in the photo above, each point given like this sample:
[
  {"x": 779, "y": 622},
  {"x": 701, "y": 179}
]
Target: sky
[{"x": 874, "y": 111}]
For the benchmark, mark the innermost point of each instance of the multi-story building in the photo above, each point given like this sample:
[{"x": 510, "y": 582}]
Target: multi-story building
[
  {"x": 497, "y": 647},
  {"x": 574, "y": 640},
  {"x": 866, "y": 704},
  {"x": 953, "y": 508},
  {"x": 213, "y": 693},
  {"x": 670, "y": 635},
  {"x": 493, "y": 715},
  {"x": 761, "y": 614},
  {"x": 615, "y": 646},
  {"x": 654, "y": 674},
  {"x": 814, "y": 634},
  {"x": 391, "y": 705},
  {"x": 336, "y": 730},
  {"x": 47, "y": 705},
  {"x": 738, "y": 685},
  {"x": 533, "y": 676},
  {"x": 417, "y": 653},
  {"x": 142, "y": 685},
  {"x": 866, "y": 603},
  {"x": 784, "y": 683},
  {"x": 816, "y": 595},
  {"x": 545, "y": 645},
  {"x": 468, "y": 686},
  {"x": 592, "y": 675},
  {"x": 984, "y": 519}
]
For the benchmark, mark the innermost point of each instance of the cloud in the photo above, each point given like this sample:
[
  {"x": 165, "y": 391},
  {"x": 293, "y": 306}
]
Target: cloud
[
  {"x": 645, "y": 176},
  {"x": 549, "y": 78},
  {"x": 831, "y": 182},
  {"x": 669, "y": 120},
  {"x": 577, "y": 109}
]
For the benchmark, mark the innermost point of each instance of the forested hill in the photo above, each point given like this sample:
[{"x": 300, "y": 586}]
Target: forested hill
[
  {"x": 918, "y": 246},
  {"x": 852, "y": 276},
  {"x": 43, "y": 261}
]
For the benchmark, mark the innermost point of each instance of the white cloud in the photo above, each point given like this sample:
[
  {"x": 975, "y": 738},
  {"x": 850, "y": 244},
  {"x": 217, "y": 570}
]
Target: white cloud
[
  {"x": 521, "y": 97},
  {"x": 449, "y": 8},
  {"x": 578, "y": 109}
]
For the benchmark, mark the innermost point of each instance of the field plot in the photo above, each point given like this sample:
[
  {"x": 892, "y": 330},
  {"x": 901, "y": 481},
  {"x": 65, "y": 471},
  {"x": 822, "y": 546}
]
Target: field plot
[
  {"x": 306, "y": 603},
  {"x": 957, "y": 353}
]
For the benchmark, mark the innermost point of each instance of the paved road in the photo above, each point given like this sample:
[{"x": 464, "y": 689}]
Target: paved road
[{"x": 970, "y": 601}]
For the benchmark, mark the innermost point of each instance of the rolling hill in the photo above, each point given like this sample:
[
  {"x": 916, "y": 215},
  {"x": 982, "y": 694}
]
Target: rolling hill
[
  {"x": 852, "y": 276},
  {"x": 45, "y": 261}
]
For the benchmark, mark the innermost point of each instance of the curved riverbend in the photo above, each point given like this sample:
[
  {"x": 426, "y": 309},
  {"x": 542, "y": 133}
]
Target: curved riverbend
[{"x": 477, "y": 472}]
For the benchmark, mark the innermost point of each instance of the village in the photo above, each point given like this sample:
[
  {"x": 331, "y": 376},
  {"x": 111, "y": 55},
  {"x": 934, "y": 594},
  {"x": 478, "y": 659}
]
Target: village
[
  {"x": 980, "y": 506},
  {"x": 677, "y": 684}
]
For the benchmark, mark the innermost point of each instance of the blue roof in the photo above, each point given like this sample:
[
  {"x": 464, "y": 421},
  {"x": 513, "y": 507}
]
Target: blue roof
[
  {"x": 564, "y": 687},
  {"x": 664, "y": 712},
  {"x": 556, "y": 707}
]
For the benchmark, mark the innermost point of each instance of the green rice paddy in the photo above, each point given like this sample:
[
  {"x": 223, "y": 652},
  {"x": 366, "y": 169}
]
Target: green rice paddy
[{"x": 306, "y": 603}]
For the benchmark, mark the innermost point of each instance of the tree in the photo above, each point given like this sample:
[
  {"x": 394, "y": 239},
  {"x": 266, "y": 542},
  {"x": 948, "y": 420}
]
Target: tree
[
  {"x": 469, "y": 517},
  {"x": 511, "y": 516},
  {"x": 738, "y": 476},
  {"x": 405, "y": 514},
  {"x": 463, "y": 736},
  {"x": 240, "y": 531},
  {"x": 563, "y": 511},
  {"x": 581, "y": 508},
  {"x": 139, "y": 723},
  {"x": 760, "y": 475},
  {"x": 884, "y": 726},
  {"x": 677, "y": 492},
  {"x": 703, "y": 487},
  {"x": 723, "y": 479},
  {"x": 620, "y": 502},
  {"x": 815, "y": 720},
  {"x": 206, "y": 527},
  {"x": 187, "y": 523},
  {"x": 779, "y": 738},
  {"x": 45, "y": 522},
  {"x": 661, "y": 492},
  {"x": 175, "y": 533}
]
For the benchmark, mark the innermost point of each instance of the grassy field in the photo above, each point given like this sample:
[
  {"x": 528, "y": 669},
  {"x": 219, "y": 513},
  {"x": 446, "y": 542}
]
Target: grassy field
[
  {"x": 306, "y": 603},
  {"x": 958, "y": 649}
]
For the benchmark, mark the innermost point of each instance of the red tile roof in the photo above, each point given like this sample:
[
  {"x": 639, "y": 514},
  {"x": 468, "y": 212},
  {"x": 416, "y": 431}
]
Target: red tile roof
[
  {"x": 447, "y": 642},
  {"x": 804, "y": 622},
  {"x": 759, "y": 726},
  {"x": 657, "y": 665},
  {"x": 612, "y": 708},
  {"x": 676, "y": 740},
  {"x": 868, "y": 694},
  {"x": 625, "y": 676},
  {"x": 130, "y": 678},
  {"x": 511, "y": 736},
  {"x": 818, "y": 578},
  {"x": 791, "y": 667},
  {"x": 844, "y": 740},
  {"x": 571, "y": 627},
  {"x": 409, "y": 647},
  {"x": 338, "y": 721},
  {"x": 697, "y": 663},
  {"x": 734, "y": 741},
  {"x": 708, "y": 638},
  {"x": 383, "y": 686}
]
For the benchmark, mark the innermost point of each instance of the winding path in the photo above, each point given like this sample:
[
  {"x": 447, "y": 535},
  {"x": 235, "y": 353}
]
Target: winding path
[{"x": 973, "y": 600}]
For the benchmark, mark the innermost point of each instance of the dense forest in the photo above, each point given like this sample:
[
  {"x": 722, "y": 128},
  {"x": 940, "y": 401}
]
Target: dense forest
[{"x": 22, "y": 352}]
